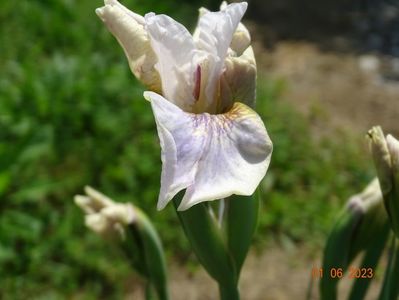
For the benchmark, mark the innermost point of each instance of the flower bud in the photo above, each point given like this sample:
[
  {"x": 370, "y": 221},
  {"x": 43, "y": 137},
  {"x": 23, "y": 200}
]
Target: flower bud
[
  {"x": 104, "y": 216},
  {"x": 385, "y": 153},
  {"x": 139, "y": 239},
  {"x": 382, "y": 158}
]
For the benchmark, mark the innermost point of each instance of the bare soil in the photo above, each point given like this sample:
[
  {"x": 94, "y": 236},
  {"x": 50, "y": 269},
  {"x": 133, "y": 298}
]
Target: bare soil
[{"x": 337, "y": 90}]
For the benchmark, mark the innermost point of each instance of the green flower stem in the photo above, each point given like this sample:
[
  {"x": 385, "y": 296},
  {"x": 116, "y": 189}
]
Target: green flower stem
[
  {"x": 336, "y": 251},
  {"x": 390, "y": 288},
  {"x": 242, "y": 219},
  {"x": 133, "y": 250},
  {"x": 229, "y": 293},
  {"x": 370, "y": 260},
  {"x": 392, "y": 205},
  {"x": 149, "y": 293},
  {"x": 207, "y": 243},
  {"x": 153, "y": 255}
]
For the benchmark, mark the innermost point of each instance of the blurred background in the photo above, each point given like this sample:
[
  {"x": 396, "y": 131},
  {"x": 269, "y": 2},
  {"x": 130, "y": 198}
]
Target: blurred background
[{"x": 72, "y": 114}]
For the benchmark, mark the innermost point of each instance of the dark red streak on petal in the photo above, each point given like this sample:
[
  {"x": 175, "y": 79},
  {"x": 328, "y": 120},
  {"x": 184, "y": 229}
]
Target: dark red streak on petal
[{"x": 197, "y": 87}]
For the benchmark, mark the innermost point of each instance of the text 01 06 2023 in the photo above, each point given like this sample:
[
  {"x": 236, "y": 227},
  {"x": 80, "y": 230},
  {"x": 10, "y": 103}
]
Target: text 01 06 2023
[{"x": 352, "y": 273}]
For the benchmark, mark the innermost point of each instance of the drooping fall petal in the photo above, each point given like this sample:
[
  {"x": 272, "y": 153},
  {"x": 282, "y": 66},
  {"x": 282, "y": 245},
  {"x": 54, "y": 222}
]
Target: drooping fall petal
[{"x": 212, "y": 156}]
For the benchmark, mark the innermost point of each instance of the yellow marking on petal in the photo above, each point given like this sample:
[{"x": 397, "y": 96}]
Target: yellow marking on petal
[{"x": 240, "y": 110}]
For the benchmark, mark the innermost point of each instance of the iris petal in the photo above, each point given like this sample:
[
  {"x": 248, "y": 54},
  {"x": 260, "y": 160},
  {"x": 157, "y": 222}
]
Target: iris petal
[
  {"x": 215, "y": 29},
  {"x": 239, "y": 79},
  {"x": 176, "y": 52},
  {"x": 128, "y": 29},
  {"x": 214, "y": 35},
  {"x": 212, "y": 156}
]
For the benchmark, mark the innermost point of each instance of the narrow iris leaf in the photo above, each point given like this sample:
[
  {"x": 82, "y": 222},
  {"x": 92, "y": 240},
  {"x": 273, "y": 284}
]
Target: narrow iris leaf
[
  {"x": 153, "y": 255},
  {"x": 336, "y": 252},
  {"x": 362, "y": 226},
  {"x": 370, "y": 260},
  {"x": 390, "y": 287}
]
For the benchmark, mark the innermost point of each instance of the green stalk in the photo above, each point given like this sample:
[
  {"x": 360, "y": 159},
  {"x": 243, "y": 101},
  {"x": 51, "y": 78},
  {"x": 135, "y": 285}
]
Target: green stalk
[
  {"x": 133, "y": 249},
  {"x": 153, "y": 255},
  {"x": 390, "y": 288},
  {"x": 363, "y": 225},
  {"x": 370, "y": 260},
  {"x": 229, "y": 293},
  {"x": 393, "y": 204},
  {"x": 242, "y": 219},
  {"x": 149, "y": 294},
  {"x": 336, "y": 252},
  {"x": 207, "y": 243}
]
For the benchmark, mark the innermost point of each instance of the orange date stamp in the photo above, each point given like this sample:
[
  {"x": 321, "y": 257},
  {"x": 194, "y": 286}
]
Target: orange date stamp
[{"x": 351, "y": 273}]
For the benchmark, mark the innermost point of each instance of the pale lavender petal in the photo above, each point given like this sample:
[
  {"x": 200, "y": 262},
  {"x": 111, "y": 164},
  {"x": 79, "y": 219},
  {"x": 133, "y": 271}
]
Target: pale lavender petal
[
  {"x": 214, "y": 35},
  {"x": 176, "y": 54},
  {"x": 241, "y": 37},
  {"x": 215, "y": 156},
  {"x": 182, "y": 143},
  {"x": 216, "y": 29}
]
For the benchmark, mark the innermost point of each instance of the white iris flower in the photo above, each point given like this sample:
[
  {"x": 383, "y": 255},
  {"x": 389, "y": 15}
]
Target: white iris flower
[{"x": 202, "y": 90}]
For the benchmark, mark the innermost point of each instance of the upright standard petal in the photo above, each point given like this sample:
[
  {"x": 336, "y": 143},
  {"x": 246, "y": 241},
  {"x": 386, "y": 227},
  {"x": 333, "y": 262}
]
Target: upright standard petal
[
  {"x": 214, "y": 35},
  {"x": 176, "y": 52},
  {"x": 238, "y": 82},
  {"x": 241, "y": 38},
  {"x": 128, "y": 29},
  {"x": 215, "y": 29},
  {"x": 212, "y": 156}
]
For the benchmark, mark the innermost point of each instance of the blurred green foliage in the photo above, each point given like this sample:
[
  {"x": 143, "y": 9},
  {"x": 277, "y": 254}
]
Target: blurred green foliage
[{"x": 72, "y": 114}]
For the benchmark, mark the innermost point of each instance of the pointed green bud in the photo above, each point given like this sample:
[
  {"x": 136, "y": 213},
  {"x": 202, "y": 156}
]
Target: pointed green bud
[
  {"x": 382, "y": 158},
  {"x": 385, "y": 153}
]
